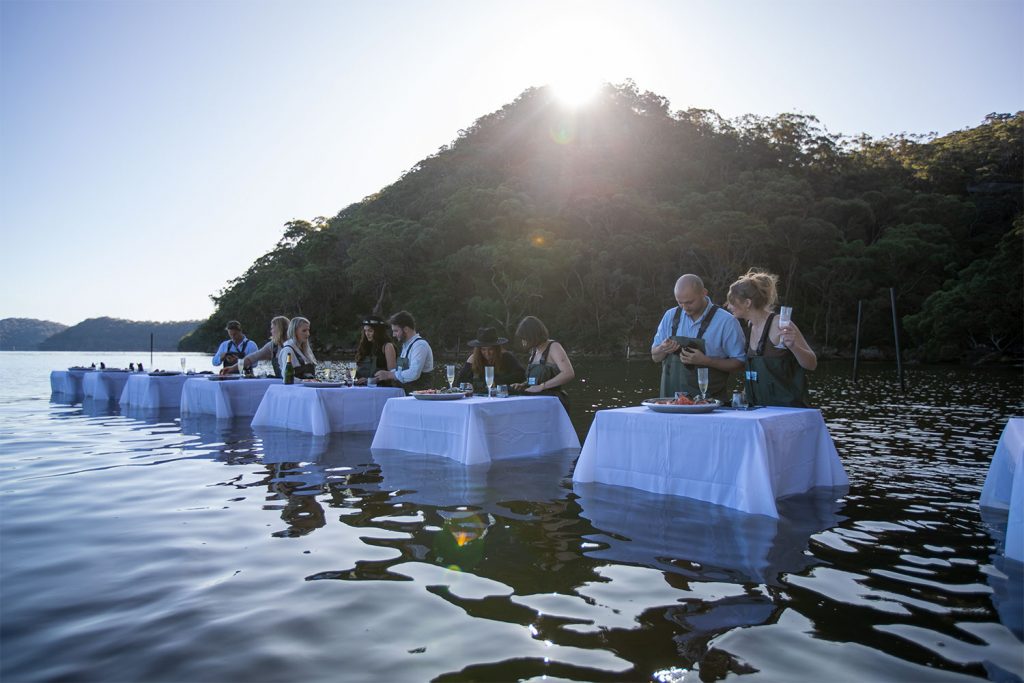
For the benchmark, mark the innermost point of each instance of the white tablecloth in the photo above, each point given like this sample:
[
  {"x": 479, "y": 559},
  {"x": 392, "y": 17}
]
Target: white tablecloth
[
  {"x": 104, "y": 386},
  {"x": 67, "y": 382},
  {"x": 146, "y": 391},
  {"x": 1004, "y": 485},
  {"x": 476, "y": 430},
  {"x": 322, "y": 411},
  {"x": 225, "y": 399},
  {"x": 739, "y": 459}
]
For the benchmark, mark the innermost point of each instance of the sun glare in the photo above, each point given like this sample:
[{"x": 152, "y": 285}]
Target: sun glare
[{"x": 577, "y": 90}]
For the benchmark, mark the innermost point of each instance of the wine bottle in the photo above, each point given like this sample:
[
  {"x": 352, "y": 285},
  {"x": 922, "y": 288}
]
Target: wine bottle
[{"x": 289, "y": 371}]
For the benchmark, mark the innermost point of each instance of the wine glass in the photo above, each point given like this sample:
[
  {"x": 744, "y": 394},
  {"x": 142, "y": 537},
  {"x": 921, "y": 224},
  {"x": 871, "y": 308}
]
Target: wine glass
[
  {"x": 489, "y": 376},
  {"x": 785, "y": 316},
  {"x": 450, "y": 372},
  {"x": 702, "y": 382},
  {"x": 183, "y": 363}
]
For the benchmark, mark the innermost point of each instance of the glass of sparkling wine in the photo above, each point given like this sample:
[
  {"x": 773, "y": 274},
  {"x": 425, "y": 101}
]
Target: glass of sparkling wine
[
  {"x": 183, "y": 363},
  {"x": 489, "y": 377},
  {"x": 450, "y": 372},
  {"x": 785, "y": 316},
  {"x": 702, "y": 382}
]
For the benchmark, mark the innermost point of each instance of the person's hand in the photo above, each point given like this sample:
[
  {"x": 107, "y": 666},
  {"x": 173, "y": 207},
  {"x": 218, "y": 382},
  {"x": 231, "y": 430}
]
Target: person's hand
[
  {"x": 668, "y": 346},
  {"x": 227, "y": 370},
  {"x": 535, "y": 389},
  {"x": 693, "y": 357},
  {"x": 360, "y": 381},
  {"x": 787, "y": 335},
  {"x": 383, "y": 375}
]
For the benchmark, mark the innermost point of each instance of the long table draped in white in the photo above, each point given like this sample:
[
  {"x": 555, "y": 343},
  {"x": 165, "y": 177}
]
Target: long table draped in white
[
  {"x": 323, "y": 410},
  {"x": 225, "y": 399},
  {"x": 67, "y": 382},
  {"x": 1004, "y": 485},
  {"x": 739, "y": 459},
  {"x": 104, "y": 385},
  {"x": 153, "y": 391},
  {"x": 476, "y": 430}
]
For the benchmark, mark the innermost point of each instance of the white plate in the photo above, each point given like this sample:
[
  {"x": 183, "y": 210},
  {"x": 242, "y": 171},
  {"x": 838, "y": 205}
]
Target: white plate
[
  {"x": 684, "y": 409},
  {"x": 222, "y": 378},
  {"x": 323, "y": 385},
  {"x": 439, "y": 397},
  {"x": 163, "y": 373}
]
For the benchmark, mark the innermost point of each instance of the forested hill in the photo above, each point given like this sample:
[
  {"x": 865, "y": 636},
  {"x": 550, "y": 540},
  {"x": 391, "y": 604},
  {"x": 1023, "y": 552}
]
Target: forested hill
[
  {"x": 114, "y": 334},
  {"x": 25, "y": 334},
  {"x": 586, "y": 218}
]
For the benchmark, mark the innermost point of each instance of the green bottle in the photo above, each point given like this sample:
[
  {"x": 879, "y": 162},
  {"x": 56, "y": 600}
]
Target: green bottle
[{"x": 289, "y": 371}]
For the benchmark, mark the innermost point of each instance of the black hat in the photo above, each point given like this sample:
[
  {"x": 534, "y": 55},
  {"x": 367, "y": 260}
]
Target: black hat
[
  {"x": 373, "y": 320},
  {"x": 488, "y": 336}
]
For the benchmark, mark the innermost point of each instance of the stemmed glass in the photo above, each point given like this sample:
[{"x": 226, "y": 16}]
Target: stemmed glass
[
  {"x": 183, "y": 363},
  {"x": 702, "y": 382},
  {"x": 785, "y": 316},
  {"x": 489, "y": 377},
  {"x": 450, "y": 372}
]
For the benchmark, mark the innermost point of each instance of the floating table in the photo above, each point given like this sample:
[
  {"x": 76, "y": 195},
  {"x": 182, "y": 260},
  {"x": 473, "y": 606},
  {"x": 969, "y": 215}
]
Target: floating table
[
  {"x": 104, "y": 385},
  {"x": 224, "y": 399},
  {"x": 153, "y": 391},
  {"x": 476, "y": 430},
  {"x": 323, "y": 410},
  {"x": 67, "y": 382},
  {"x": 739, "y": 459},
  {"x": 1004, "y": 485}
]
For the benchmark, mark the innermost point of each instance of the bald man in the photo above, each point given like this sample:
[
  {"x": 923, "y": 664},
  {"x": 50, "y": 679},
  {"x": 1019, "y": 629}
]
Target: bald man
[{"x": 696, "y": 317}]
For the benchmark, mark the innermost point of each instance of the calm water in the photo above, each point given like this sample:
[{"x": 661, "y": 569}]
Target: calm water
[{"x": 151, "y": 548}]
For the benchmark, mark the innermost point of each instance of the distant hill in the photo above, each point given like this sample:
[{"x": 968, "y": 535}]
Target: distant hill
[
  {"x": 114, "y": 334},
  {"x": 25, "y": 334}
]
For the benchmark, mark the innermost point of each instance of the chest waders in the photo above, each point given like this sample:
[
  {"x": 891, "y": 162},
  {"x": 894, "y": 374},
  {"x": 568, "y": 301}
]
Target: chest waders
[
  {"x": 423, "y": 381},
  {"x": 540, "y": 372},
  {"x": 774, "y": 380},
  {"x": 677, "y": 376}
]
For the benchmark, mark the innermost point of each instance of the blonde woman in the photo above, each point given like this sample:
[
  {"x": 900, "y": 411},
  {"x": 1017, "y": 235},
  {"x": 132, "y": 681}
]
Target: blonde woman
[
  {"x": 777, "y": 358},
  {"x": 297, "y": 346},
  {"x": 278, "y": 335}
]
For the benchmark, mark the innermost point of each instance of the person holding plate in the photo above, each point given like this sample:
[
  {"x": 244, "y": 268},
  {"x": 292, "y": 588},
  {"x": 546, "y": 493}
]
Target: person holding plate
[
  {"x": 697, "y": 333},
  {"x": 549, "y": 367},
  {"x": 270, "y": 350},
  {"x": 376, "y": 351},
  {"x": 297, "y": 348},
  {"x": 236, "y": 346},
  {"x": 777, "y": 357},
  {"x": 489, "y": 352},
  {"x": 415, "y": 363}
]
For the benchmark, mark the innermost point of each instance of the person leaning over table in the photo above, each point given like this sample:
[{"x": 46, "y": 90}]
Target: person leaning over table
[
  {"x": 549, "y": 368},
  {"x": 780, "y": 372},
  {"x": 376, "y": 351},
  {"x": 489, "y": 351},
  {"x": 697, "y": 318},
  {"x": 303, "y": 360},
  {"x": 415, "y": 363},
  {"x": 269, "y": 351},
  {"x": 234, "y": 347}
]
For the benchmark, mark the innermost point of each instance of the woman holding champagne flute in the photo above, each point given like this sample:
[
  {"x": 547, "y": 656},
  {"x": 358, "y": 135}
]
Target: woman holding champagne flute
[
  {"x": 549, "y": 368},
  {"x": 777, "y": 353},
  {"x": 490, "y": 364}
]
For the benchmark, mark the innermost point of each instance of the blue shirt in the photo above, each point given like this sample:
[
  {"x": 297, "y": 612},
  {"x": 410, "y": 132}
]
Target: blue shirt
[
  {"x": 244, "y": 349},
  {"x": 723, "y": 338},
  {"x": 421, "y": 359}
]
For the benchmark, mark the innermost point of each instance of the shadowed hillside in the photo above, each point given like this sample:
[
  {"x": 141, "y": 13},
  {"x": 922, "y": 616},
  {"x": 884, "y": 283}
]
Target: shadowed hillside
[
  {"x": 113, "y": 334},
  {"x": 25, "y": 334},
  {"x": 586, "y": 217}
]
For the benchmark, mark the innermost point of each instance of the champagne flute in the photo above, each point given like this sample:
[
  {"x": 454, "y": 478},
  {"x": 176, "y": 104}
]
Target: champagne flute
[
  {"x": 702, "y": 382},
  {"x": 450, "y": 371},
  {"x": 489, "y": 377},
  {"x": 183, "y": 363},
  {"x": 785, "y": 316}
]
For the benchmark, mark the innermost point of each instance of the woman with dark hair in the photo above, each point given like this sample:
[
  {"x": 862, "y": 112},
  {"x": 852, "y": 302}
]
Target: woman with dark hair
[
  {"x": 777, "y": 357},
  {"x": 549, "y": 367},
  {"x": 489, "y": 351},
  {"x": 376, "y": 351}
]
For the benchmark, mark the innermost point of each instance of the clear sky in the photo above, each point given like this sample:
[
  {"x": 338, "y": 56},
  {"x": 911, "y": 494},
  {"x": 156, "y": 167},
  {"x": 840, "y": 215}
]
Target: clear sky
[{"x": 150, "y": 150}]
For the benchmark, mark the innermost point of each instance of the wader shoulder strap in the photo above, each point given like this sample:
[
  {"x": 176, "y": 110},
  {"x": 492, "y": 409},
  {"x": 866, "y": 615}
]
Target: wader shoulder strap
[
  {"x": 764, "y": 335},
  {"x": 706, "y": 321}
]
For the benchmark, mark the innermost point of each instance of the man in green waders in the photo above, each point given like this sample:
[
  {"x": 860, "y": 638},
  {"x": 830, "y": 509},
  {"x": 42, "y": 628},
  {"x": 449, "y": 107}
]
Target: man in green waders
[{"x": 684, "y": 329}]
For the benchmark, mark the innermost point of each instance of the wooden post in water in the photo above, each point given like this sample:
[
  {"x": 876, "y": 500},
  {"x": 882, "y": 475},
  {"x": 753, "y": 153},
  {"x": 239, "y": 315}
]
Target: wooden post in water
[
  {"x": 856, "y": 340},
  {"x": 896, "y": 338},
  {"x": 151, "y": 351}
]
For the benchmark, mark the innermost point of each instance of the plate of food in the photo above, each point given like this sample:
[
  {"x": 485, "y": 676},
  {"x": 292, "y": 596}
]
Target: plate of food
[
  {"x": 222, "y": 378},
  {"x": 439, "y": 394},
  {"x": 682, "y": 405},
  {"x": 164, "y": 373},
  {"x": 321, "y": 385},
  {"x": 114, "y": 370},
  {"x": 79, "y": 368}
]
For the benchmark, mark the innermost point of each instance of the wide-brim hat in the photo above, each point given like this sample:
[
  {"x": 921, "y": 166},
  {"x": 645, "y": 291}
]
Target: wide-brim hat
[
  {"x": 373, "y": 320},
  {"x": 488, "y": 336}
]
